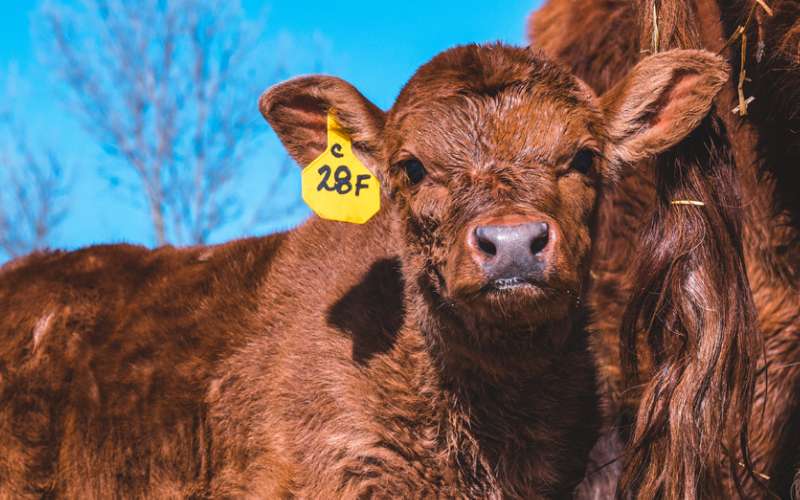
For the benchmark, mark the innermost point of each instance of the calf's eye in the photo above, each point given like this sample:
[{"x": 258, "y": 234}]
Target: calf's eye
[
  {"x": 414, "y": 170},
  {"x": 582, "y": 161}
]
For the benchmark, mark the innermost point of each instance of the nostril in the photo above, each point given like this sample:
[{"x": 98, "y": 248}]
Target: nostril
[
  {"x": 540, "y": 238},
  {"x": 486, "y": 245}
]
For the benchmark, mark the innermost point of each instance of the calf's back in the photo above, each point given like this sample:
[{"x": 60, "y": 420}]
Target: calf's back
[{"x": 105, "y": 354}]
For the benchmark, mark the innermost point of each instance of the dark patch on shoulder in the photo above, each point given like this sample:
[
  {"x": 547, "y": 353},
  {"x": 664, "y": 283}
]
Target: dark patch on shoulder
[{"x": 372, "y": 312}]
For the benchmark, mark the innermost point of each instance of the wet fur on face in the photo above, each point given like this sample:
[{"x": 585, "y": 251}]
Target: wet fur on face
[{"x": 496, "y": 130}]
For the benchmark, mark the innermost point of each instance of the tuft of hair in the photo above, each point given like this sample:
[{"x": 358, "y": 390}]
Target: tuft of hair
[
  {"x": 690, "y": 315},
  {"x": 694, "y": 304},
  {"x": 487, "y": 69}
]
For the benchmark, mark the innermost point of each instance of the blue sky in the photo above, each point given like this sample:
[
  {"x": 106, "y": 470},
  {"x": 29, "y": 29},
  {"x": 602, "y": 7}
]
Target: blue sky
[{"x": 374, "y": 45}]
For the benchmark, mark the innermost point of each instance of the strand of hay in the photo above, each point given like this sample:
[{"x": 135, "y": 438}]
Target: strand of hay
[
  {"x": 766, "y": 8},
  {"x": 747, "y": 101},
  {"x": 654, "y": 41},
  {"x": 741, "y": 32},
  {"x": 759, "y": 474},
  {"x": 742, "y": 76}
]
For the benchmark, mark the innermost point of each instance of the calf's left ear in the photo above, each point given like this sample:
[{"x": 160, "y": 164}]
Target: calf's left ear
[
  {"x": 660, "y": 102},
  {"x": 298, "y": 109}
]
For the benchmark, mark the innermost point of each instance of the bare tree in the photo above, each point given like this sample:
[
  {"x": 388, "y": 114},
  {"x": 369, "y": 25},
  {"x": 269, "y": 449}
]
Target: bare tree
[
  {"x": 168, "y": 88},
  {"x": 32, "y": 200}
]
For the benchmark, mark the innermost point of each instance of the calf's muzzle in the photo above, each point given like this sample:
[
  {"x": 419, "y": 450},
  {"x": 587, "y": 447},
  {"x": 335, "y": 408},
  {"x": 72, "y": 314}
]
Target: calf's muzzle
[{"x": 510, "y": 254}]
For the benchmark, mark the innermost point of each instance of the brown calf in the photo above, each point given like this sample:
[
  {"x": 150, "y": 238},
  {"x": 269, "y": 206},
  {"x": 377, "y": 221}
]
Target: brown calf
[
  {"x": 714, "y": 286},
  {"x": 436, "y": 350}
]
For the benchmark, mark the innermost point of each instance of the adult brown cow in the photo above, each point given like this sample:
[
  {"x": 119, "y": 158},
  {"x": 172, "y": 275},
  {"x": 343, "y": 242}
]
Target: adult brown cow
[
  {"x": 724, "y": 379},
  {"x": 437, "y": 350}
]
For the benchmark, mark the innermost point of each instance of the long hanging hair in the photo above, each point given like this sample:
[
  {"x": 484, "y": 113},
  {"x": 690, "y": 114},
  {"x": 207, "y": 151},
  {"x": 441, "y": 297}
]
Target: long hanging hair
[{"x": 691, "y": 308}]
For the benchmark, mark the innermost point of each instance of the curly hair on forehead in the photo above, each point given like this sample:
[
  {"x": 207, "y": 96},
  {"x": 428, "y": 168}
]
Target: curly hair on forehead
[{"x": 488, "y": 70}]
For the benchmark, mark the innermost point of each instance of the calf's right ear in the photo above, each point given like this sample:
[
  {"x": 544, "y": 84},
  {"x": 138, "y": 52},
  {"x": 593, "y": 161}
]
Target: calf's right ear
[{"x": 298, "y": 109}]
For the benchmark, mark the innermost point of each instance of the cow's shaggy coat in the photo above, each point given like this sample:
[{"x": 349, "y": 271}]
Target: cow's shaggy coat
[{"x": 726, "y": 377}]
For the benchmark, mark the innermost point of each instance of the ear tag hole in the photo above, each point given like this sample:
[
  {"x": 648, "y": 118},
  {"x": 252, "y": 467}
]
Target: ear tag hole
[{"x": 336, "y": 185}]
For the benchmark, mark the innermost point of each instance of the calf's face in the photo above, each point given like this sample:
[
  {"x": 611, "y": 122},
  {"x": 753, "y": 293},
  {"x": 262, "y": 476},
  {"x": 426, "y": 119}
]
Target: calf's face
[{"x": 494, "y": 159}]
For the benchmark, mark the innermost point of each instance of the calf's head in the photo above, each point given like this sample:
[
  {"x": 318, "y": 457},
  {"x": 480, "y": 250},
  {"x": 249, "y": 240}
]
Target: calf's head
[{"x": 493, "y": 159}]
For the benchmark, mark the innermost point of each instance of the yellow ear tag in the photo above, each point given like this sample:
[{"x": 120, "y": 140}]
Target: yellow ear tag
[{"x": 336, "y": 185}]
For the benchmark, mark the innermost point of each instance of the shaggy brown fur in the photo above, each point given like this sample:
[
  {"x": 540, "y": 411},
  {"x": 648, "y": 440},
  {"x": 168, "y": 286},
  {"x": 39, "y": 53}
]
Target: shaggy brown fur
[
  {"x": 724, "y": 374},
  {"x": 342, "y": 360}
]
